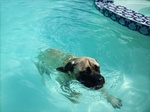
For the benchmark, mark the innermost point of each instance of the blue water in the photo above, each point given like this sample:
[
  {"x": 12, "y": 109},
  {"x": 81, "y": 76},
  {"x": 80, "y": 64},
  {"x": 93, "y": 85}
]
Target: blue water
[{"x": 74, "y": 26}]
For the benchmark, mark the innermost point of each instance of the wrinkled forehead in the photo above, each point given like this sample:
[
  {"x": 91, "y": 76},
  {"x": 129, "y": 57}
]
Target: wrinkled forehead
[
  {"x": 92, "y": 61},
  {"x": 83, "y": 62},
  {"x": 87, "y": 61}
]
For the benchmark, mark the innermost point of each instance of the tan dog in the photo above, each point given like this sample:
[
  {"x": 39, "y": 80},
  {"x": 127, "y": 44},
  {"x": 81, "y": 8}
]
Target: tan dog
[{"x": 84, "y": 69}]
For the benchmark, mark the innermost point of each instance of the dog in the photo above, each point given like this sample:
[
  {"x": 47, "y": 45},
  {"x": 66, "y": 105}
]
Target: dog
[{"x": 85, "y": 70}]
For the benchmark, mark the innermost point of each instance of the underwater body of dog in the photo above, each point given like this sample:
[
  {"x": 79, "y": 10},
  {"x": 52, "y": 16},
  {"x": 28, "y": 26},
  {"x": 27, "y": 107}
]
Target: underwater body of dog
[{"x": 85, "y": 70}]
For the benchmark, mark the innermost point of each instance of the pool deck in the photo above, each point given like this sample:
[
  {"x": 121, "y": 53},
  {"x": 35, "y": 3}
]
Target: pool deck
[
  {"x": 140, "y": 6},
  {"x": 125, "y": 16}
]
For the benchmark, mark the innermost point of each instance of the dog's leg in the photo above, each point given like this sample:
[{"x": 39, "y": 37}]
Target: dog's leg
[
  {"x": 70, "y": 94},
  {"x": 115, "y": 102},
  {"x": 70, "y": 98}
]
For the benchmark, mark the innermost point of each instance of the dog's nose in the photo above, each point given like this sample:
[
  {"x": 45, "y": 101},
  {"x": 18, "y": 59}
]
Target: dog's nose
[{"x": 100, "y": 79}]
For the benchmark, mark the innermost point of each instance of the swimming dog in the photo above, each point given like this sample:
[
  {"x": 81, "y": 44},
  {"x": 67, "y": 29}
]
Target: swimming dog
[{"x": 86, "y": 70}]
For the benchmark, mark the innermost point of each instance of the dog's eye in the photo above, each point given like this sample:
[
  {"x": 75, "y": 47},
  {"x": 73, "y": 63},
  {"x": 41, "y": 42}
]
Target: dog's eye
[
  {"x": 97, "y": 68},
  {"x": 88, "y": 70}
]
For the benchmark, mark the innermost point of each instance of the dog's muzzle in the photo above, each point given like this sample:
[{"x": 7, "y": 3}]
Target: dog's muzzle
[
  {"x": 92, "y": 81},
  {"x": 100, "y": 83}
]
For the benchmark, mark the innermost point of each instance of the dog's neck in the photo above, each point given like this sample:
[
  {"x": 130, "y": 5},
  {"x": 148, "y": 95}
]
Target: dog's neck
[{"x": 71, "y": 75}]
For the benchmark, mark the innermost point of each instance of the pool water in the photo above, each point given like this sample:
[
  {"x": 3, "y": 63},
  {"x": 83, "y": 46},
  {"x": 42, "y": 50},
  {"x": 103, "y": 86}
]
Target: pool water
[{"x": 76, "y": 27}]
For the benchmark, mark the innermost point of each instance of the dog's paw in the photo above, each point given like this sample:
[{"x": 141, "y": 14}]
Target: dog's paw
[
  {"x": 115, "y": 102},
  {"x": 73, "y": 100},
  {"x": 75, "y": 94}
]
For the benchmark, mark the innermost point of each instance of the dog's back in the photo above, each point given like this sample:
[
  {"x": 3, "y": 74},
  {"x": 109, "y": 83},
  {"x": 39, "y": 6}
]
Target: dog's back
[{"x": 50, "y": 59}]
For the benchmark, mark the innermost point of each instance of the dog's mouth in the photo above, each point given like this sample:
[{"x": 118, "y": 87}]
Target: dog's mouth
[
  {"x": 97, "y": 86},
  {"x": 89, "y": 85}
]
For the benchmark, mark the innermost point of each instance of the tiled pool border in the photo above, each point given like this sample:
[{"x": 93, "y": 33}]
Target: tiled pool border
[{"x": 126, "y": 17}]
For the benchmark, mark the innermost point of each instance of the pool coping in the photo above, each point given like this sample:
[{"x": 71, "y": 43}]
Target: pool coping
[{"x": 124, "y": 16}]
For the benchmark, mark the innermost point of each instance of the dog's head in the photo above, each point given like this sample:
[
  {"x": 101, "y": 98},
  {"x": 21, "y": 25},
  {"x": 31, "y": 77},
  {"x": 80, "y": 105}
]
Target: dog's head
[{"x": 86, "y": 70}]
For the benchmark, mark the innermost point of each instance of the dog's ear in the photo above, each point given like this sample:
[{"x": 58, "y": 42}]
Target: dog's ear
[
  {"x": 61, "y": 69},
  {"x": 69, "y": 67}
]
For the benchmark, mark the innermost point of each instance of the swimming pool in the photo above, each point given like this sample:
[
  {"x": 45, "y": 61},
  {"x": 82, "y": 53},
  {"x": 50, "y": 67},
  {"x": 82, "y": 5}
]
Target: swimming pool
[{"x": 76, "y": 27}]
